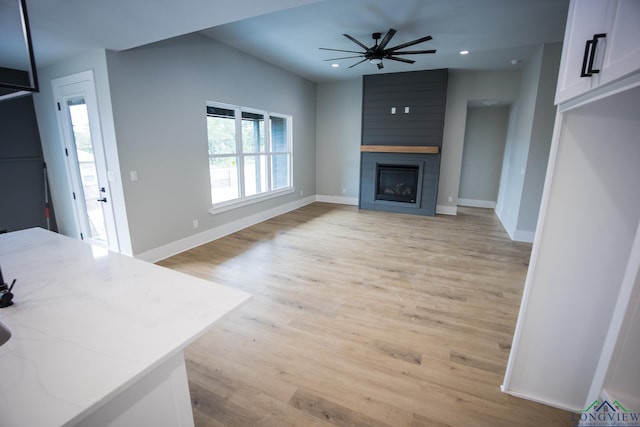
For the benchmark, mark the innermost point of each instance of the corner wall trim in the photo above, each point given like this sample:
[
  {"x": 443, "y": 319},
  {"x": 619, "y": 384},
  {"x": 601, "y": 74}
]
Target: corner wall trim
[{"x": 173, "y": 248}]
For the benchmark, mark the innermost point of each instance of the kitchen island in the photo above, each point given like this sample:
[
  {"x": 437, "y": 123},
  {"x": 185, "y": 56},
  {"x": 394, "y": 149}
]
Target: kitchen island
[{"x": 97, "y": 337}]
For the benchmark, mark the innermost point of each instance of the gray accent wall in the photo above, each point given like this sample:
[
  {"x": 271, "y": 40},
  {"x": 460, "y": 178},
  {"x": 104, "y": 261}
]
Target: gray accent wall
[{"x": 423, "y": 93}]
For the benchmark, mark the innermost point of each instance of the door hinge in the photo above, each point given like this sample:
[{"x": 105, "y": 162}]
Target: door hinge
[
  {"x": 81, "y": 236},
  {"x": 66, "y": 152},
  {"x": 59, "y": 109},
  {"x": 74, "y": 195}
]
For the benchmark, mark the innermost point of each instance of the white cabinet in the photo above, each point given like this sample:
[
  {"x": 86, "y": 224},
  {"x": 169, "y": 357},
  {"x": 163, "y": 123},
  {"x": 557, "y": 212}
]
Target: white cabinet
[
  {"x": 622, "y": 55},
  {"x": 601, "y": 45}
]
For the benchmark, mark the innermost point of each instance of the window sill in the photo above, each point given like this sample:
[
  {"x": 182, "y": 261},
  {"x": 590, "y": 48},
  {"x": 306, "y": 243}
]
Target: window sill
[{"x": 234, "y": 204}]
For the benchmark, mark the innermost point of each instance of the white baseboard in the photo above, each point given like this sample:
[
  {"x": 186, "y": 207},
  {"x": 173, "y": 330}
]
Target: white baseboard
[
  {"x": 173, "y": 248},
  {"x": 524, "y": 236},
  {"x": 538, "y": 399},
  {"x": 447, "y": 210},
  {"x": 477, "y": 203},
  {"x": 337, "y": 199}
]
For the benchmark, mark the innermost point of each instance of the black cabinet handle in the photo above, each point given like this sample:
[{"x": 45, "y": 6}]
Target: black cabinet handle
[
  {"x": 589, "y": 56},
  {"x": 103, "y": 200},
  {"x": 585, "y": 59}
]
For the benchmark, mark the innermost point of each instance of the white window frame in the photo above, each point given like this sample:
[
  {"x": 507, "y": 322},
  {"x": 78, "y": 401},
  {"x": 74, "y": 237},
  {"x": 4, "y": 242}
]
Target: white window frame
[{"x": 244, "y": 200}]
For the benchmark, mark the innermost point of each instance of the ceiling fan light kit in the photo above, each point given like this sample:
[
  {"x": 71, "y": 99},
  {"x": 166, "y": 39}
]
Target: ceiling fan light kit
[{"x": 379, "y": 51}]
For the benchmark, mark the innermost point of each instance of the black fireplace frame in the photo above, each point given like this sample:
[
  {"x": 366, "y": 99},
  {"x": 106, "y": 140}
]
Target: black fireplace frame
[
  {"x": 400, "y": 163},
  {"x": 414, "y": 168}
]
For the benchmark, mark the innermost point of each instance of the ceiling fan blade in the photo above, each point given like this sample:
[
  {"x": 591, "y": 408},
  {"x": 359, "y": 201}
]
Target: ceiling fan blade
[
  {"x": 413, "y": 52},
  {"x": 344, "y": 57},
  {"x": 411, "y": 43},
  {"x": 356, "y": 41},
  {"x": 387, "y": 38},
  {"x": 360, "y": 62},
  {"x": 340, "y": 50},
  {"x": 395, "y": 58}
]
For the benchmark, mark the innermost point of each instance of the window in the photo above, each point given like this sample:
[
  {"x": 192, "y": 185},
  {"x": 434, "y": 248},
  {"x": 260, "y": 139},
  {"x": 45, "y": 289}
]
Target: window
[{"x": 249, "y": 154}]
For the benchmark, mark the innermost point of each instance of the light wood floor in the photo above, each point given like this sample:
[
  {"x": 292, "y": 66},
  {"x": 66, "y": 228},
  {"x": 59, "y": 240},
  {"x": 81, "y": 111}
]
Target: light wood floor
[{"x": 362, "y": 318}]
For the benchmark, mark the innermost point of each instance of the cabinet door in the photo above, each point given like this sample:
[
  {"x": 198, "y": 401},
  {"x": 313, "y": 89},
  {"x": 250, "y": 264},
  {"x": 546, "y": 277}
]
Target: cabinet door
[
  {"x": 622, "y": 49},
  {"x": 585, "y": 19}
]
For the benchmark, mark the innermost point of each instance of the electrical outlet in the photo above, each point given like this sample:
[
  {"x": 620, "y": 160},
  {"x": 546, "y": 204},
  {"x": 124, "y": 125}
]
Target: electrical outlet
[
  {"x": 134, "y": 175},
  {"x": 195, "y": 223},
  {"x": 450, "y": 199},
  {"x": 302, "y": 192},
  {"x": 344, "y": 191}
]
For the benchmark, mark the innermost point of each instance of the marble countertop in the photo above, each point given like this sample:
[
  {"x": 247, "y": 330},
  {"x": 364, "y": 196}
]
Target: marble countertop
[{"x": 86, "y": 323}]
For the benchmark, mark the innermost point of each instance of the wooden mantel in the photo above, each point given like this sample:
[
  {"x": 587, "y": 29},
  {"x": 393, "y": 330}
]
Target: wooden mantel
[{"x": 399, "y": 149}]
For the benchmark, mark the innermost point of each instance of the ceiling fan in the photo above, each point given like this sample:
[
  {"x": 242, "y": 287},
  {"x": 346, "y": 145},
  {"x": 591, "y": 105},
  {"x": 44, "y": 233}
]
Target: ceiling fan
[{"x": 378, "y": 52}]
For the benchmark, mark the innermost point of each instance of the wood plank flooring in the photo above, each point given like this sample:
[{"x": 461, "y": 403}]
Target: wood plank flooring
[{"x": 362, "y": 318}]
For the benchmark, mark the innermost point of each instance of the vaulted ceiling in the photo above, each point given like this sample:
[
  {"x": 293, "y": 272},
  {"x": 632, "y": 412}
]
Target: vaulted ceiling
[{"x": 289, "y": 33}]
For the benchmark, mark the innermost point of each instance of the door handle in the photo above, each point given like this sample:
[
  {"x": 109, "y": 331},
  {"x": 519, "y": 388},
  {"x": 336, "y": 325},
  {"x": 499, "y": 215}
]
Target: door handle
[{"x": 103, "y": 200}]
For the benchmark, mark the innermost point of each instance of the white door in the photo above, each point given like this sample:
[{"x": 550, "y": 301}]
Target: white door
[{"x": 79, "y": 121}]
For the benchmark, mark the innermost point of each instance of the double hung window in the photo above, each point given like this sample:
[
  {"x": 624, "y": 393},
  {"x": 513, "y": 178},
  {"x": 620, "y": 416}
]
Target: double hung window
[{"x": 249, "y": 154}]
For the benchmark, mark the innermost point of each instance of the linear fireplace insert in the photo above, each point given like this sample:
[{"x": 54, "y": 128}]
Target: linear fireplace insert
[{"x": 397, "y": 183}]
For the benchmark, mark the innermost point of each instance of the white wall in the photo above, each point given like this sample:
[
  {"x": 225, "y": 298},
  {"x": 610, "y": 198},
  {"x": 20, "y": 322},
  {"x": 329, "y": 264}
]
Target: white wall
[
  {"x": 338, "y": 137},
  {"x": 159, "y": 93},
  {"x": 484, "y": 139}
]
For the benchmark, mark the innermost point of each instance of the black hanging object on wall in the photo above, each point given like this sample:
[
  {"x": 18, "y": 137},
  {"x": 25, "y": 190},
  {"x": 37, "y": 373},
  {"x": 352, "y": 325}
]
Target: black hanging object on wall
[
  {"x": 19, "y": 79},
  {"x": 379, "y": 51}
]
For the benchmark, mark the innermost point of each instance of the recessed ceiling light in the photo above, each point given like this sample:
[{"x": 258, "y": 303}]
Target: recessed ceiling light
[
  {"x": 464, "y": 52},
  {"x": 334, "y": 65}
]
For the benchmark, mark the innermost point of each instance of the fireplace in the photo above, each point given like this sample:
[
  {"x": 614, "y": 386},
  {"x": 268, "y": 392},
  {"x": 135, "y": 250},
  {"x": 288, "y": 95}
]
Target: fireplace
[{"x": 397, "y": 183}]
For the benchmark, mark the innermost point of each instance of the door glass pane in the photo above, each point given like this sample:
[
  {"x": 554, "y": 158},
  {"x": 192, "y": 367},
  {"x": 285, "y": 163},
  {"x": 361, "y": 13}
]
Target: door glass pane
[
  {"x": 87, "y": 167},
  {"x": 255, "y": 175},
  {"x": 224, "y": 179}
]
